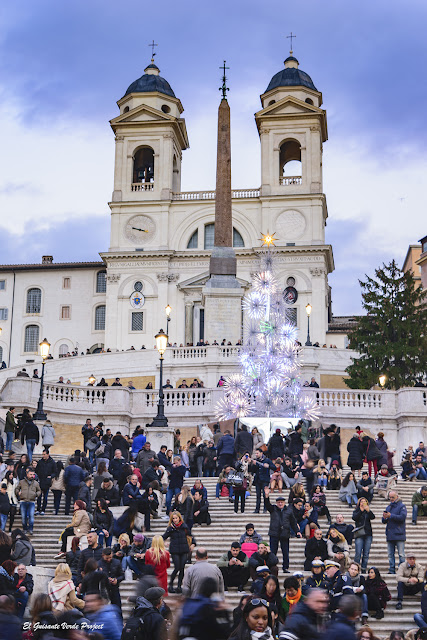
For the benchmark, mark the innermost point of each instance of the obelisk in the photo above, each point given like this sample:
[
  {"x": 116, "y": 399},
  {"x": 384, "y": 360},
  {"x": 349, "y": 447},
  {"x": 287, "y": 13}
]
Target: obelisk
[{"x": 222, "y": 293}]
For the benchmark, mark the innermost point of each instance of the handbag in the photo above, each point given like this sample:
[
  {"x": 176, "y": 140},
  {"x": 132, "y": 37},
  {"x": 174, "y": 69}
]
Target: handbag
[
  {"x": 235, "y": 478},
  {"x": 359, "y": 532}
]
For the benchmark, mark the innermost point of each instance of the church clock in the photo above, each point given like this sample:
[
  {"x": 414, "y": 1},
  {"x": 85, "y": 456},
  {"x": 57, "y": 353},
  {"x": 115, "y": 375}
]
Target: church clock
[{"x": 140, "y": 230}]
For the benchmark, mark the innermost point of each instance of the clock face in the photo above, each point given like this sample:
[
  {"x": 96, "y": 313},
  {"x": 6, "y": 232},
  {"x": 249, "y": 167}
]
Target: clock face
[{"x": 140, "y": 230}]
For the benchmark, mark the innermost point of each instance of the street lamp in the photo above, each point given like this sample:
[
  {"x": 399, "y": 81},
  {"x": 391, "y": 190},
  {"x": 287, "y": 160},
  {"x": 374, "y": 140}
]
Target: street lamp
[
  {"x": 44, "y": 352},
  {"x": 382, "y": 380},
  {"x": 168, "y": 310},
  {"x": 92, "y": 380},
  {"x": 161, "y": 343},
  {"x": 308, "y": 309}
]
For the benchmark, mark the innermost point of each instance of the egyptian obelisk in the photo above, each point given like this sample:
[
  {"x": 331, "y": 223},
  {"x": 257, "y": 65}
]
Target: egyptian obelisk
[{"x": 222, "y": 293}]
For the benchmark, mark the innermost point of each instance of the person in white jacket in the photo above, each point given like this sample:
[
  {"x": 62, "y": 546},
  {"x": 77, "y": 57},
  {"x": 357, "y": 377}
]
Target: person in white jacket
[{"x": 48, "y": 435}]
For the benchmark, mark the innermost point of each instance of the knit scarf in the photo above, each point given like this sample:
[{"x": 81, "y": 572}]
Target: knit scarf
[
  {"x": 293, "y": 601},
  {"x": 262, "y": 635}
]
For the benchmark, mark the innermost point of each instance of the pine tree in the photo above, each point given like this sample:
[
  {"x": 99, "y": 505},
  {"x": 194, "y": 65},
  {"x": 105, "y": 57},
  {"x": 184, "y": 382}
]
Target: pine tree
[
  {"x": 392, "y": 336},
  {"x": 268, "y": 385}
]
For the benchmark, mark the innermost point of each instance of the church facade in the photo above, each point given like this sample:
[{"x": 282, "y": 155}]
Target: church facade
[{"x": 161, "y": 237}]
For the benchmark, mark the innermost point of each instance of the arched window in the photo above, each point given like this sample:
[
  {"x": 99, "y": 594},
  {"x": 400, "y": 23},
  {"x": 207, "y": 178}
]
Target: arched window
[
  {"x": 237, "y": 239},
  {"x": 100, "y": 318},
  {"x": 193, "y": 242},
  {"x": 290, "y": 159},
  {"x": 126, "y": 109},
  {"x": 210, "y": 237},
  {"x": 309, "y": 101},
  {"x": 101, "y": 282},
  {"x": 63, "y": 350},
  {"x": 31, "y": 342},
  {"x": 143, "y": 165},
  {"x": 34, "y": 300}
]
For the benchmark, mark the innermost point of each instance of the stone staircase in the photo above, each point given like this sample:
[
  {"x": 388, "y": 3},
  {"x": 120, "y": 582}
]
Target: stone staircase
[{"x": 227, "y": 526}]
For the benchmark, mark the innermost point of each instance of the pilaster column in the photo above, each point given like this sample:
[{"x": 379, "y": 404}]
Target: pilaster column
[{"x": 188, "y": 321}]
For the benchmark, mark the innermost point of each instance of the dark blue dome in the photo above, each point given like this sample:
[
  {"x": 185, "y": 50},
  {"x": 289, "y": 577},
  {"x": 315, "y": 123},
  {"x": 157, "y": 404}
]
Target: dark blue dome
[
  {"x": 291, "y": 77},
  {"x": 150, "y": 82}
]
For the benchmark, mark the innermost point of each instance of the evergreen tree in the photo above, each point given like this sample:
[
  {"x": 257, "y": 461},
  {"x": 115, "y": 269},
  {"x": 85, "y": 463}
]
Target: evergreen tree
[{"x": 392, "y": 336}]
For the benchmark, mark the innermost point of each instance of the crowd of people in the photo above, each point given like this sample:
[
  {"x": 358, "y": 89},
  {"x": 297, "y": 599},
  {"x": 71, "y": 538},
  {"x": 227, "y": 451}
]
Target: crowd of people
[{"x": 116, "y": 485}]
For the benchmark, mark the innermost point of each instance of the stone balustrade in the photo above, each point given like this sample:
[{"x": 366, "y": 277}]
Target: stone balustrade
[
  {"x": 210, "y": 195},
  {"x": 142, "y": 186},
  {"x": 290, "y": 180}
]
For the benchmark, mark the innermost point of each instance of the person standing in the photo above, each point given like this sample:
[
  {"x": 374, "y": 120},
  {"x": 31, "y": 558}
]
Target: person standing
[
  {"x": 178, "y": 532},
  {"x": 225, "y": 450},
  {"x": 73, "y": 476},
  {"x": 394, "y": 517},
  {"x": 282, "y": 522},
  {"x": 31, "y": 435},
  {"x": 27, "y": 491},
  {"x": 46, "y": 471},
  {"x": 356, "y": 453},
  {"x": 363, "y": 516},
  {"x": 382, "y": 448},
  {"x": 48, "y": 435},
  {"x": 158, "y": 557},
  {"x": 176, "y": 480},
  {"x": 112, "y": 567},
  {"x": 243, "y": 443},
  {"x": 10, "y": 427},
  {"x": 261, "y": 466}
]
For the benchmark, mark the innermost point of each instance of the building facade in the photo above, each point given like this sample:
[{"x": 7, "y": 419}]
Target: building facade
[{"x": 161, "y": 237}]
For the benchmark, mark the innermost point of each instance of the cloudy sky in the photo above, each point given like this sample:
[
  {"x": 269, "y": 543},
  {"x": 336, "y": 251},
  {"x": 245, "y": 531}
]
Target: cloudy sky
[{"x": 64, "y": 65}]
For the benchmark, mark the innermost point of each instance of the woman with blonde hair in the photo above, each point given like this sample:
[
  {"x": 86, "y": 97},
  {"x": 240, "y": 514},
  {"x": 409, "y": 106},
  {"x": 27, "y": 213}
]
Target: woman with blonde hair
[
  {"x": 62, "y": 592},
  {"x": 337, "y": 547},
  {"x": 159, "y": 558},
  {"x": 179, "y": 535},
  {"x": 184, "y": 504}
]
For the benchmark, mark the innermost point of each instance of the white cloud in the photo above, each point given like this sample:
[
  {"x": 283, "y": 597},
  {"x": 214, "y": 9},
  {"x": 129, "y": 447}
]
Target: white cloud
[{"x": 51, "y": 174}]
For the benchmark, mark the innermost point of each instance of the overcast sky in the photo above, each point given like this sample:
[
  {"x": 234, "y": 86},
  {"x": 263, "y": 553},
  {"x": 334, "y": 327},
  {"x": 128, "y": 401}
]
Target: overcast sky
[{"x": 64, "y": 65}]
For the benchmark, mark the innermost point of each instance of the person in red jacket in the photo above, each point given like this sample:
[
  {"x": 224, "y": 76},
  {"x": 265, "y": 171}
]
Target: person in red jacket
[{"x": 159, "y": 558}]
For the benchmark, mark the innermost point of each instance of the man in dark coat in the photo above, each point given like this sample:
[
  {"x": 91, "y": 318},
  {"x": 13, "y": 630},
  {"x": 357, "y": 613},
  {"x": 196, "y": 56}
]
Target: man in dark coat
[
  {"x": 225, "y": 450},
  {"x": 201, "y": 513},
  {"x": 46, "y": 470},
  {"x": 296, "y": 444},
  {"x": 263, "y": 558},
  {"x": 243, "y": 443},
  {"x": 282, "y": 522},
  {"x": 356, "y": 453},
  {"x": 119, "y": 442},
  {"x": 306, "y": 621},
  {"x": 163, "y": 459},
  {"x": 109, "y": 492},
  {"x": 343, "y": 625},
  {"x": 276, "y": 446},
  {"x": 151, "y": 475},
  {"x": 93, "y": 550},
  {"x": 394, "y": 517},
  {"x": 315, "y": 547},
  {"x": 154, "y": 625},
  {"x": 112, "y": 567},
  {"x": 261, "y": 466}
]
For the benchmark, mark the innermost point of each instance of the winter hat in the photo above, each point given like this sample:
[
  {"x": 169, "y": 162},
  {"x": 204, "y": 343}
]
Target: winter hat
[
  {"x": 138, "y": 537},
  {"x": 262, "y": 569},
  {"x": 154, "y": 593}
]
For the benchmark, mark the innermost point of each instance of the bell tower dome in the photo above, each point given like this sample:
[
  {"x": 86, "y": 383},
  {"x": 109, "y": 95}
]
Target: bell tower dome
[
  {"x": 292, "y": 128},
  {"x": 150, "y": 137}
]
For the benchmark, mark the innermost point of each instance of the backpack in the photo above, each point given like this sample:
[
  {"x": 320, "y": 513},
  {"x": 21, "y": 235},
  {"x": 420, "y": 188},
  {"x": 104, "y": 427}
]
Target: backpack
[{"x": 135, "y": 629}]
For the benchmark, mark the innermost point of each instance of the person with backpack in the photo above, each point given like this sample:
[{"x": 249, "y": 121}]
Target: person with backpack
[
  {"x": 203, "y": 618},
  {"x": 73, "y": 476},
  {"x": 146, "y": 621}
]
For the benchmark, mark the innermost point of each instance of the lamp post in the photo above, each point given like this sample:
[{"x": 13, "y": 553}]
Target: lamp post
[
  {"x": 161, "y": 343},
  {"x": 308, "y": 309},
  {"x": 92, "y": 380},
  {"x": 382, "y": 380},
  {"x": 168, "y": 310},
  {"x": 44, "y": 352}
]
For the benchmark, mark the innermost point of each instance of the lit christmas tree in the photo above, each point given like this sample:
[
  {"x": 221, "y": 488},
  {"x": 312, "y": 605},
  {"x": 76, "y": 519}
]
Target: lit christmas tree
[{"x": 269, "y": 385}]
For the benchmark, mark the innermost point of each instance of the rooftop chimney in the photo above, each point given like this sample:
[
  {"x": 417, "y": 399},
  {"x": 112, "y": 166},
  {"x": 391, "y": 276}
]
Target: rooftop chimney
[{"x": 47, "y": 259}]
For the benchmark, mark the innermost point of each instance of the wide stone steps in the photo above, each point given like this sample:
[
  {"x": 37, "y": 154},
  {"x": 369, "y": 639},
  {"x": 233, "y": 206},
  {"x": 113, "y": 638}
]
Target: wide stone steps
[{"x": 228, "y": 526}]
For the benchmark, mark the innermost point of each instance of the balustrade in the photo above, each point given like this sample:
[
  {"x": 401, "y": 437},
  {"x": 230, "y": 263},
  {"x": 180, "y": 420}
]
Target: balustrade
[
  {"x": 210, "y": 195},
  {"x": 290, "y": 180},
  {"x": 63, "y": 393},
  {"x": 142, "y": 186}
]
